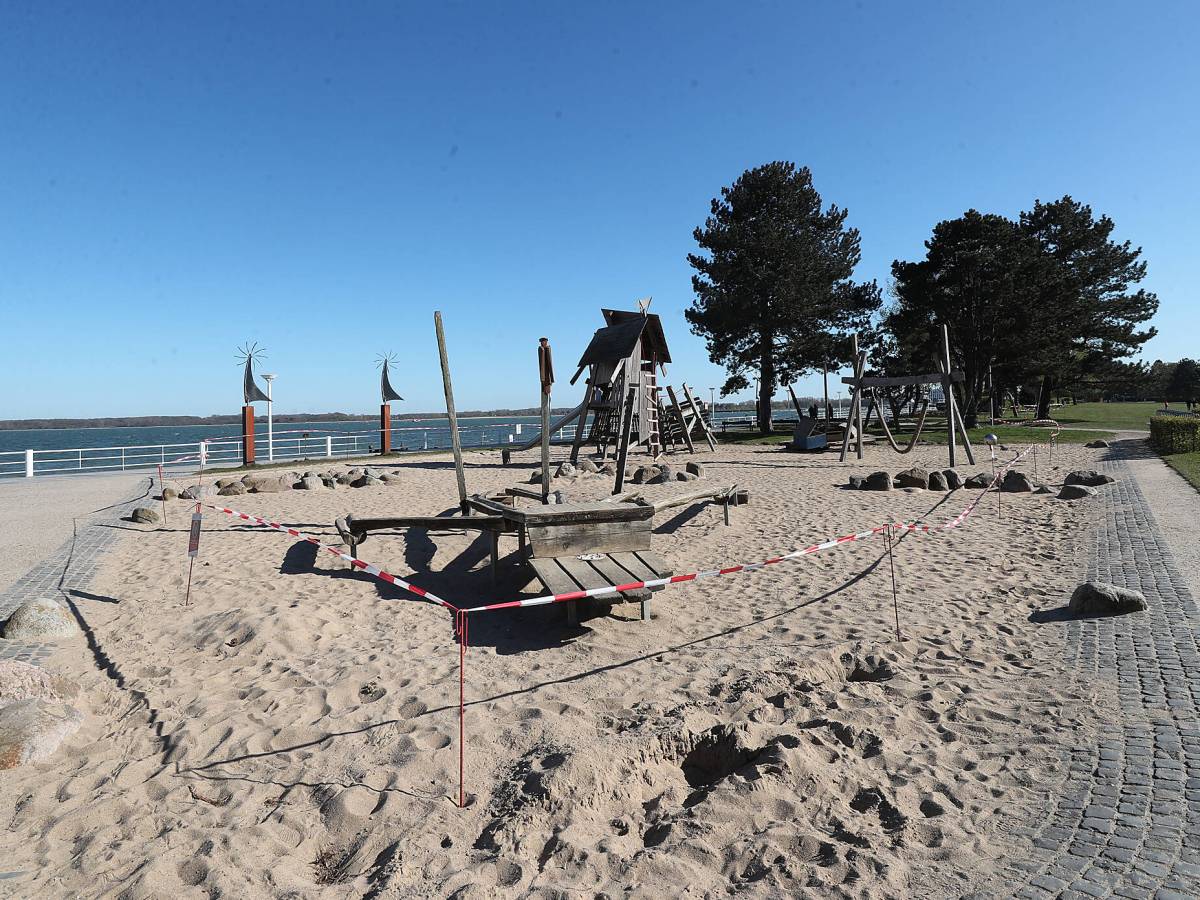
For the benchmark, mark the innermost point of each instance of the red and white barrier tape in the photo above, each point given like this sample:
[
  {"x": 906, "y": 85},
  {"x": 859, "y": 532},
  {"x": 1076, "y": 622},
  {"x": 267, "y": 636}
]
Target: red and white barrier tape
[{"x": 356, "y": 563}]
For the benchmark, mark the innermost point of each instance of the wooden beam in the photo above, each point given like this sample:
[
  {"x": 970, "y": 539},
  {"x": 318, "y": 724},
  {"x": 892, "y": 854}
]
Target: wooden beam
[
  {"x": 455, "y": 443},
  {"x": 687, "y": 392},
  {"x": 861, "y": 356},
  {"x": 684, "y": 424},
  {"x": 623, "y": 446},
  {"x": 583, "y": 418},
  {"x": 947, "y": 389}
]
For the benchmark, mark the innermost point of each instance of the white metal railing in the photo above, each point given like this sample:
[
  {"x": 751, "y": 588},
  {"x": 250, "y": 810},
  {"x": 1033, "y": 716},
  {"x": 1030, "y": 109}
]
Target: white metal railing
[{"x": 226, "y": 452}]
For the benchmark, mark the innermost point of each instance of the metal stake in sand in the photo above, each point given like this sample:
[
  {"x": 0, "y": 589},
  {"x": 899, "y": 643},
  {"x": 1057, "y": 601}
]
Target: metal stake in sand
[
  {"x": 161, "y": 488},
  {"x": 892, "y": 566},
  {"x": 990, "y": 440},
  {"x": 461, "y": 622},
  {"x": 193, "y": 550}
]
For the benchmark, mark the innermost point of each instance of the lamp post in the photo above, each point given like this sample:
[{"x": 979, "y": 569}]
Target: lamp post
[{"x": 270, "y": 421}]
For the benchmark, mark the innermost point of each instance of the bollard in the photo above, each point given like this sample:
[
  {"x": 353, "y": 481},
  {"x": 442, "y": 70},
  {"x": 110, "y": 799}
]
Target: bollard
[{"x": 28, "y": 463}]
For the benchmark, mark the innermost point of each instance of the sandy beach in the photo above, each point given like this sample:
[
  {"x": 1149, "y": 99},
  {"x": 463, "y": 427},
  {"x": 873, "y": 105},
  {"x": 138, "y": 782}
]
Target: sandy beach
[{"x": 293, "y": 732}]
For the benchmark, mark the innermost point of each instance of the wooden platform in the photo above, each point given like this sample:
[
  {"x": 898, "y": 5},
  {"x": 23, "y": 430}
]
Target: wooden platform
[{"x": 563, "y": 574}]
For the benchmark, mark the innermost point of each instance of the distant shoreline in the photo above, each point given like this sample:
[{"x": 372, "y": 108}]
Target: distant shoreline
[{"x": 225, "y": 421}]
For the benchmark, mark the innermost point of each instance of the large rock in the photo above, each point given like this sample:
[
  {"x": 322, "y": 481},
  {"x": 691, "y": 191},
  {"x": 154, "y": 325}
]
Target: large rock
[
  {"x": 1096, "y": 598},
  {"x": 665, "y": 474},
  {"x": 198, "y": 492},
  {"x": 144, "y": 515},
  {"x": 21, "y": 681},
  {"x": 878, "y": 481},
  {"x": 644, "y": 474},
  {"x": 222, "y": 482},
  {"x": 391, "y": 478},
  {"x": 1076, "y": 492},
  {"x": 979, "y": 481},
  {"x": 696, "y": 469},
  {"x": 311, "y": 483},
  {"x": 566, "y": 470},
  {"x": 169, "y": 493},
  {"x": 937, "y": 482},
  {"x": 953, "y": 480},
  {"x": 365, "y": 480},
  {"x": 609, "y": 468},
  {"x": 38, "y": 619},
  {"x": 857, "y": 482},
  {"x": 912, "y": 478},
  {"x": 233, "y": 489},
  {"x": 1089, "y": 477},
  {"x": 31, "y": 730},
  {"x": 269, "y": 483},
  {"x": 346, "y": 478},
  {"x": 1096, "y": 445},
  {"x": 686, "y": 476},
  {"x": 588, "y": 466},
  {"x": 1016, "y": 483}
]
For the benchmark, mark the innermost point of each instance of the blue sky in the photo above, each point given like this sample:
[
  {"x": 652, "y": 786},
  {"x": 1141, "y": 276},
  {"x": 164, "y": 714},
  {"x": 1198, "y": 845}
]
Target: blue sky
[{"x": 319, "y": 178}]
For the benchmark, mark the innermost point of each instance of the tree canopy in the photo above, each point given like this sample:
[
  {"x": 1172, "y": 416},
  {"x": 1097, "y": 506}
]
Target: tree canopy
[
  {"x": 773, "y": 288},
  {"x": 1049, "y": 298}
]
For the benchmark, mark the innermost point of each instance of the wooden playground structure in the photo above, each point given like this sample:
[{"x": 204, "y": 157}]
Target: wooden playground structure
[{"x": 580, "y": 546}]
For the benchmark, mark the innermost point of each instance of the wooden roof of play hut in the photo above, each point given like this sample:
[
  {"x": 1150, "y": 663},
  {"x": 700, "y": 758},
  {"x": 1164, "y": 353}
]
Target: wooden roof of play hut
[{"x": 627, "y": 334}]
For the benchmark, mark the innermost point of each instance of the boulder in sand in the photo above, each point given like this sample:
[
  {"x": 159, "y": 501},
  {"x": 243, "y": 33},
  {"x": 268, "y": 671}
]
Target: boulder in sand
[
  {"x": 696, "y": 469},
  {"x": 912, "y": 478},
  {"x": 21, "y": 681},
  {"x": 38, "y": 619},
  {"x": 1016, "y": 483},
  {"x": 198, "y": 492},
  {"x": 588, "y": 466},
  {"x": 857, "y": 482},
  {"x": 345, "y": 478},
  {"x": 609, "y": 468},
  {"x": 979, "y": 482},
  {"x": 269, "y": 482},
  {"x": 391, "y": 478},
  {"x": 233, "y": 489},
  {"x": 878, "y": 481},
  {"x": 643, "y": 474},
  {"x": 1096, "y": 445},
  {"x": 937, "y": 482},
  {"x": 31, "y": 730},
  {"x": 310, "y": 483},
  {"x": 1076, "y": 492},
  {"x": 566, "y": 470},
  {"x": 144, "y": 515},
  {"x": 953, "y": 480},
  {"x": 1097, "y": 598},
  {"x": 169, "y": 493},
  {"x": 665, "y": 474},
  {"x": 1089, "y": 477},
  {"x": 365, "y": 480},
  {"x": 686, "y": 476}
]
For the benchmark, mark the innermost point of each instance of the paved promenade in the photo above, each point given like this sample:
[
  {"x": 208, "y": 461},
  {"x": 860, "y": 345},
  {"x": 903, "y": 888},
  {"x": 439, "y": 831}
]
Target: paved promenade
[
  {"x": 1127, "y": 823},
  {"x": 80, "y": 539}
]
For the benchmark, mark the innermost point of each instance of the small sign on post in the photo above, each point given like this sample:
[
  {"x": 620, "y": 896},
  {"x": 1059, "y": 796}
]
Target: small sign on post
[{"x": 193, "y": 550}]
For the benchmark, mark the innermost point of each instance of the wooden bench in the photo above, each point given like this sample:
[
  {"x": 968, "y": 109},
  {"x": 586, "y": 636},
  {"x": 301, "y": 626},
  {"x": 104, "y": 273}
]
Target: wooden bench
[{"x": 563, "y": 574}]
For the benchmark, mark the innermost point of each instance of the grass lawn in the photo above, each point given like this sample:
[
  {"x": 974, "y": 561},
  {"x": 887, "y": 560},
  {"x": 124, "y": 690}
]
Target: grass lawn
[
  {"x": 1187, "y": 465},
  {"x": 1134, "y": 416}
]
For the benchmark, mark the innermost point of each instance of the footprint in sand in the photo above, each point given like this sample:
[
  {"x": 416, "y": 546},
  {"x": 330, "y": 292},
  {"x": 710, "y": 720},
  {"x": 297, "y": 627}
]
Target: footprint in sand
[
  {"x": 193, "y": 871},
  {"x": 431, "y": 739}
]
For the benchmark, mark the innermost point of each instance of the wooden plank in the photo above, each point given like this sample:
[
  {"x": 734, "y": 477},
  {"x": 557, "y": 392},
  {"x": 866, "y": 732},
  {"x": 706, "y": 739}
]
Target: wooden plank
[
  {"x": 623, "y": 443},
  {"x": 579, "y": 428},
  {"x": 656, "y": 564},
  {"x": 583, "y": 573},
  {"x": 519, "y": 491},
  {"x": 590, "y": 538},
  {"x": 552, "y": 576},
  {"x": 691, "y": 497},
  {"x": 636, "y": 567},
  {"x": 615, "y": 575},
  {"x": 430, "y": 523},
  {"x": 455, "y": 443}
]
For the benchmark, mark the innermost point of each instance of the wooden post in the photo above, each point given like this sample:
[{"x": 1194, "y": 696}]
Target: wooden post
[
  {"x": 582, "y": 423},
  {"x": 623, "y": 445},
  {"x": 455, "y": 444},
  {"x": 248, "y": 435},
  {"x": 546, "y": 377},
  {"x": 861, "y": 359},
  {"x": 948, "y": 390},
  {"x": 684, "y": 424},
  {"x": 385, "y": 429},
  {"x": 825, "y": 408}
]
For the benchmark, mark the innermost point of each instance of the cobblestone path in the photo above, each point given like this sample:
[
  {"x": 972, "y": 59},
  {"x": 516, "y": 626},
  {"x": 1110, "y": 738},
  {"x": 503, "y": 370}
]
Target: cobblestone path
[
  {"x": 70, "y": 568},
  {"x": 1127, "y": 821}
]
